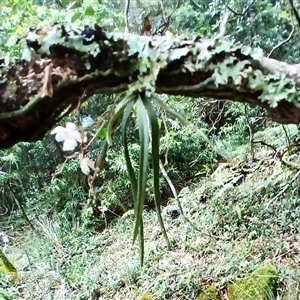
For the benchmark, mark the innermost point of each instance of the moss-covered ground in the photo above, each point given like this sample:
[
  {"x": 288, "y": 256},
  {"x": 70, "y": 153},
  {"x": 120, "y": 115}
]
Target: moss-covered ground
[{"x": 260, "y": 284}]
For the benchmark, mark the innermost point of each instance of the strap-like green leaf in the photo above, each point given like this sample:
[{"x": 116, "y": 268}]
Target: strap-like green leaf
[
  {"x": 132, "y": 177},
  {"x": 178, "y": 116},
  {"x": 117, "y": 113},
  {"x": 138, "y": 185},
  {"x": 142, "y": 120},
  {"x": 101, "y": 158},
  {"x": 141, "y": 243},
  {"x": 170, "y": 110},
  {"x": 155, "y": 163}
]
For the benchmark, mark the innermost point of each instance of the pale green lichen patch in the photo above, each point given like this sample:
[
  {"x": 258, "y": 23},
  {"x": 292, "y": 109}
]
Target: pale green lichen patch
[
  {"x": 224, "y": 46},
  {"x": 220, "y": 61},
  {"x": 60, "y": 35},
  {"x": 255, "y": 53},
  {"x": 259, "y": 285},
  {"x": 54, "y": 36},
  {"x": 281, "y": 89},
  {"x": 229, "y": 69},
  {"x": 152, "y": 57},
  {"x": 275, "y": 87}
]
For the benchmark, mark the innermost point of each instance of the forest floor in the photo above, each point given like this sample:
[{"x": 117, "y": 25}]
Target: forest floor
[{"x": 234, "y": 221}]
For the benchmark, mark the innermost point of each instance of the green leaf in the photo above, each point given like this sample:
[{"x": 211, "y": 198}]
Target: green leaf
[
  {"x": 142, "y": 174},
  {"x": 132, "y": 177},
  {"x": 102, "y": 133},
  {"x": 178, "y": 116},
  {"x": 155, "y": 163},
  {"x": 159, "y": 121},
  {"x": 89, "y": 11},
  {"x": 76, "y": 16},
  {"x": 115, "y": 117},
  {"x": 101, "y": 158},
  {"x": 138, "y": 201},
  {"x": 170, "y": 110},
  {"x": 142, "y": 243},
  {"x": 72, "y": 4}
]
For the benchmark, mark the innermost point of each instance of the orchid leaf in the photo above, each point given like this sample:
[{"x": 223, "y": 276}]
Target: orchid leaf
[
  {"x": 132, "y": 177},
  {"x": 115, "y": 117},
  {"x": 142, "y": 120},
  {"x": 155, "y": 163}
]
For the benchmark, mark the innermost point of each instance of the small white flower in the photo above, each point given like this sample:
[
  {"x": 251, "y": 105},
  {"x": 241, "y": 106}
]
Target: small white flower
[
  {"x": 103, "y": 208},
  {"x": 86, "y": 164},
  {"x": 69, "y": 135}
]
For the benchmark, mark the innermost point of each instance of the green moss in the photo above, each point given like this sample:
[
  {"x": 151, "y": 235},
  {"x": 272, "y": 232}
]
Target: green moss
[
  {"x": 6, "y": 267},
  {"x": 259, "y": 285},
  {"x": 211, "y": 293}
]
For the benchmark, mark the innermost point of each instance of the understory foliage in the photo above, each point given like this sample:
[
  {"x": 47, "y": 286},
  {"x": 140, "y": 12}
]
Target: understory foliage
[
  {"x": 238, "y": 188},
  {"x": 235, "y": 226}
]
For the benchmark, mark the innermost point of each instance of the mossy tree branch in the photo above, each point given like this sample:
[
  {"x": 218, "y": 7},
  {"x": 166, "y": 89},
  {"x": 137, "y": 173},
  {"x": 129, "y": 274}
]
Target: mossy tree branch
[{"x": 63, "y": 67}]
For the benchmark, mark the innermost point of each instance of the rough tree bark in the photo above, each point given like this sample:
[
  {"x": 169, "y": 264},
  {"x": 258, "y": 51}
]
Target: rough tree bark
[{"x": 62, "y": 67}]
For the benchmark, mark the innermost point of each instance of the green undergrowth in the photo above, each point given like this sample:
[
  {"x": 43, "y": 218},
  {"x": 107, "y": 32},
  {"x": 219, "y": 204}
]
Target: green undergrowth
[
  {"x": 8, "y": 278},
  {"x": 235, "y": 227},
  {"x": 260, "y": 284}
]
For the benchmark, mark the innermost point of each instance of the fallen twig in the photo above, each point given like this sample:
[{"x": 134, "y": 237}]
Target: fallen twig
[{"x": 284, "y": 189}]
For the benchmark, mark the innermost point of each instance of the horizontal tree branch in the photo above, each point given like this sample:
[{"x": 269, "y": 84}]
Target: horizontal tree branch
[{"x": 62, "y": 67}]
